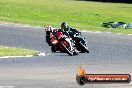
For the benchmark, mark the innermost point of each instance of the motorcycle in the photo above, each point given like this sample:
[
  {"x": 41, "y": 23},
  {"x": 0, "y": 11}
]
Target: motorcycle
[
  {"x": 62, "y": 43},
  {"x": 80, "y": 43}
]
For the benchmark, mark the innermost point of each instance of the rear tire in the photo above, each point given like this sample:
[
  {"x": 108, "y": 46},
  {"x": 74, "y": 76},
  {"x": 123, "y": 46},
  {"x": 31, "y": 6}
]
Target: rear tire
[{"x": 66, "y": 50}]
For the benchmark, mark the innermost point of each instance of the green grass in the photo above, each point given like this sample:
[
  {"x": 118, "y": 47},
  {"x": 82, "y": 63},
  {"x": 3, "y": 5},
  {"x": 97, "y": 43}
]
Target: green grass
[
  {"x": 80, "y": 14},
  {"x": 6, "y": 51}
]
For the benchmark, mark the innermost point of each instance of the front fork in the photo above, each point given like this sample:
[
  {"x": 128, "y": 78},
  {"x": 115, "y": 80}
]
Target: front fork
[
  {"x": 70, "y": 43},
  {"x": 82, "y": 40}
]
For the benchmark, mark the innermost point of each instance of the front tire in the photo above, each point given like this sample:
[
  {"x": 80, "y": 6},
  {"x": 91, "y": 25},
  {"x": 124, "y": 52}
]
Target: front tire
[
  {"x": 53, "y": 49},
  {"x": 66, "y": 50},
  {"x": 76, "y": 52},
  {"x": 84, "y": 48}
]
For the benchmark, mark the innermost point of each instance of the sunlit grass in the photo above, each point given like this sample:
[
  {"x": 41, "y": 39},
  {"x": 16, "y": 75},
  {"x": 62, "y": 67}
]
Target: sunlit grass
[{"x": 6, "y": 51}]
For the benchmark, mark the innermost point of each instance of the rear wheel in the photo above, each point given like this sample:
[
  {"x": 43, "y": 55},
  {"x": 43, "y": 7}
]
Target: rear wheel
[{"x": 67, "y": 50}]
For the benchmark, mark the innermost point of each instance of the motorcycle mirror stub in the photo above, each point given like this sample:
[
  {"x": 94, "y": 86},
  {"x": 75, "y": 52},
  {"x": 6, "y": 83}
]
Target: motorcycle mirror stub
[{"x": 83, "y": 78}]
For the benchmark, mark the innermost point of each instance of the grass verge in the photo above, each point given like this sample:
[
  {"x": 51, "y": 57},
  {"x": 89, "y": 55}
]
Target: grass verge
[
  {"x": 6, "y": 51},
  {"x": 84, "y": 15}
]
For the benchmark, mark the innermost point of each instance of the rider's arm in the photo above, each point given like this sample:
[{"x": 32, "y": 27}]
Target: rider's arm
[{"x": 75, "y": 30}]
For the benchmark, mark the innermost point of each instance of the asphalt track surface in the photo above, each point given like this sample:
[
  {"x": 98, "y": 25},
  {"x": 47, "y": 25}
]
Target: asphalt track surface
[{"x": 109, "y": 53}]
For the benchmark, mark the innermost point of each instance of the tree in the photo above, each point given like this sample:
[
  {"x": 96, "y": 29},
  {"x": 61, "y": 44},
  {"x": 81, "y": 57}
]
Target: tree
[{"x": 119, "y": 1}]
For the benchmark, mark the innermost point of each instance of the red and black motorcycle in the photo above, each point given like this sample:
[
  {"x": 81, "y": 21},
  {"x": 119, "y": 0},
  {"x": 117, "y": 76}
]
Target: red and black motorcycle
[{"x": 61, "y": 42}]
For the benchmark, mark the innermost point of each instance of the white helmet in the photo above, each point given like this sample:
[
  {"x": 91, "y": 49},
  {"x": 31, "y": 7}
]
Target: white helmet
[{"x": 48, "y": 28}]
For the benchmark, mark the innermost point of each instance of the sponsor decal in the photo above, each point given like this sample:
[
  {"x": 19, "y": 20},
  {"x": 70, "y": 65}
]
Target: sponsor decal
[{"x": 83, "y": 78}]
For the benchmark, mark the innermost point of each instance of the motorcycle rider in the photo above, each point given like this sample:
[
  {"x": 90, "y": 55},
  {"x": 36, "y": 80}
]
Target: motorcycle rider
[
  {"x": 67, "y": 29},
  {"x": 69, "y": 34},
  {"x": 50, "y": 32},
  {"x": 71, "y": 31}
]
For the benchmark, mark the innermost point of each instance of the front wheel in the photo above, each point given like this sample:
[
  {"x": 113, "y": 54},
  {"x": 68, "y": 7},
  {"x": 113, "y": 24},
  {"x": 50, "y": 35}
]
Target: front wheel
[
  {"x": 84, "y": 48},
  {"x": 53, "y": 49},
  {"x": 76, "y": 52},
  {"x": 66, "y": 50}
]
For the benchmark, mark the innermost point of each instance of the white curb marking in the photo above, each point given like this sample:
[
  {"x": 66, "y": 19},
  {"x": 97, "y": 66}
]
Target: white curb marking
[
  {"x": 7, "y": 86},
  {"x": 119, "y": 33},
  {"x": 83, "y": 31},
  {"x": 15, "y": 56},
  {"x": 129, "y": 34},
  {"x": 104, "y": 32},
  {"x": 19, "y": 25},
  {"x": 97, "y": 32},
  {"x": 41, "y": 54}
]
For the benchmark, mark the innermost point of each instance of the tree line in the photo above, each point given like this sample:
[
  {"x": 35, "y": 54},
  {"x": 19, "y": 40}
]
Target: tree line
[{"x": 115, "y": 1}]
